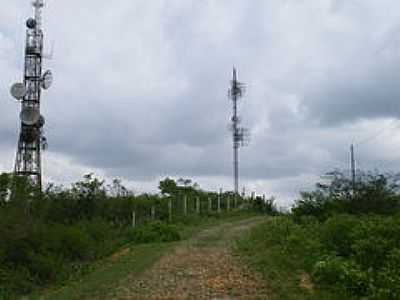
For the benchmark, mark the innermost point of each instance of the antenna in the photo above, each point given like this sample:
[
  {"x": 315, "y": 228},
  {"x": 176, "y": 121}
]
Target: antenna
[
  {"x": 353, "y": 169},
  {"x": 38, "y": 5},
  {"x": 31, "y": 138},
  {"x": 240, "y": 134}
]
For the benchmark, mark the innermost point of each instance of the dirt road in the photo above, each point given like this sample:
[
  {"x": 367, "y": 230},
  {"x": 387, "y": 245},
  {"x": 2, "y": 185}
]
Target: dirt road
[{"x": 203, "y": 267}]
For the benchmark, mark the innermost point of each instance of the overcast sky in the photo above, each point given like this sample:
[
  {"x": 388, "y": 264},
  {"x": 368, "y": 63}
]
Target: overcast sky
[{"x": 140, "y": 89}]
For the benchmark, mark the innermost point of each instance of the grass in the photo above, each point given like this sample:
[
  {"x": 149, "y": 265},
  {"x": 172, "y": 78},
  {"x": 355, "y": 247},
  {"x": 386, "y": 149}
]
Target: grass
[
  {"x": 347, "y": 256},
  {"x": 131, "y": 260},
  {"x": 108, "y": 273},
  {"x": 284, "y": 273}
]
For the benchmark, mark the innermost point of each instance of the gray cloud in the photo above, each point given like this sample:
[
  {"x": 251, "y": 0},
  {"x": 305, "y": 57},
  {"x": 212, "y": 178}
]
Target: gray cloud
[
  {"x": 367, "y": 88},
  {"x": 140, "y": 87}
]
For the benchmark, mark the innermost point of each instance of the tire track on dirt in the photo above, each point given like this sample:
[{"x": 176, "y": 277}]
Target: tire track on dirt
[{"x": 204, "y": 267}]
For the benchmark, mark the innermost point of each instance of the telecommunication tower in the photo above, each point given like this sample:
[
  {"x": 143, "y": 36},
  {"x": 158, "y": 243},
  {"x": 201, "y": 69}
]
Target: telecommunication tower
[
  {"x": 353, "y": 168},
  {"x": 240, "y": 134},
  {"x": 31, "y": 138}
]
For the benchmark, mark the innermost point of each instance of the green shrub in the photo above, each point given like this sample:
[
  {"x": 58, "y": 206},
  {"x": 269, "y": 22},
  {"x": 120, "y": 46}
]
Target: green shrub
[
  {"x": 53, "y": 235},
  {"x": 104, "y": 238},
  {"x": 374, "y": 193},
  {"x": 277, "y": 231},
  {"x": 373, "y": 239},
  {"x": 354, "y": 256},
  {"x": 301, "y": 242},
  {"x": 154, "y": 232},
  {"x": 46, "y": 267},
  {"x": 336, "y": 234},
  {"x": 18, "y": 280},
  {"x": 338, "y": 273},
  {"x": 388, "y": 278},
  {"x": 76, "y": 243}
]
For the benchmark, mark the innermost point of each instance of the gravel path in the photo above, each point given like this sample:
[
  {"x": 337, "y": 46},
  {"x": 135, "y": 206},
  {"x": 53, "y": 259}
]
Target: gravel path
[{"x": 203, "y": 267}]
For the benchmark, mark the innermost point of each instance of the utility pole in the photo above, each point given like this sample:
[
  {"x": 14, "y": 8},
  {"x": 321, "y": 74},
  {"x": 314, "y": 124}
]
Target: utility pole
[{"x": 353, "y": 168}]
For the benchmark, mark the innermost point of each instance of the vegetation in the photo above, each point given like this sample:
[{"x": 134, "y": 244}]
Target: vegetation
[
  {"x": 335, "y": 244},
  {"x": 54, "y": 236}
]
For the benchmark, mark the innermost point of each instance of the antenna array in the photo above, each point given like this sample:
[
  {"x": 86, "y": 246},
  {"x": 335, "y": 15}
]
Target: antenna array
[
  {"x": 31, "y": 138},
  {"x": 240, "y": 134}
]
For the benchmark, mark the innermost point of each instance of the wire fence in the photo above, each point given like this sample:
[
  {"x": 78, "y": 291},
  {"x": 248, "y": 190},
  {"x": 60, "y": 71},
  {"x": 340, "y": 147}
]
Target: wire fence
[{"x": 171, "y": 209}]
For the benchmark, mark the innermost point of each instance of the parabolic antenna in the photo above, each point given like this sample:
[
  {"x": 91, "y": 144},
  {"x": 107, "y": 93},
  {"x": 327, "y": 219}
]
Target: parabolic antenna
[
  {"x": 31, "y": 23},
  {"x": 29, "y": 116},
  {"x": 47, "y": 79},
  {"x": 18, "y": 90}
]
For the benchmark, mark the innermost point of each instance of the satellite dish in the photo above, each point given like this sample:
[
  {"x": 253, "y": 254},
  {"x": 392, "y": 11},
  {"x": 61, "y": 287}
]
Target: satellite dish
[
  {"x": 29, "y": 116},
  {"x": 18, "y": 90},
  {"x": 47, "y": 79},
  {"x": 31, "y": 23}
]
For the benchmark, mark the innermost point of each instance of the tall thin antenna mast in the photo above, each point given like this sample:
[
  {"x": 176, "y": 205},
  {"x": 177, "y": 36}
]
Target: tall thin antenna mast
[
  {"x": 31, "y": 138},
  {"x": 239, "y": 133},
  {"x": 353, "y": 168},
  {"x": 38, "y": 5}
]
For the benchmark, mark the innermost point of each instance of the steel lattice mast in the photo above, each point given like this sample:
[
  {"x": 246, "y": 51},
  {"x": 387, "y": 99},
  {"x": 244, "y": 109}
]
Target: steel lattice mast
[
  {"x": 239, "y": 133},
  {"x": 31, "y": 138}
]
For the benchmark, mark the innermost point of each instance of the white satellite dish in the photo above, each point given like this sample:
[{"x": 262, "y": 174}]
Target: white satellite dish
[
  {"x": 47, "y": 79},
  {"x": 29, "y": 115},
  {"x": 18, "y": 90}
]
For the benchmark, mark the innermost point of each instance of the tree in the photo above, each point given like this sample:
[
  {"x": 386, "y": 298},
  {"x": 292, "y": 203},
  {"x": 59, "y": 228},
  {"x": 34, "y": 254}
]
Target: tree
[
  {"x": 168, "y": 187},
  {"x": 87, "y": 193},
  {"x": 117, "y": 189},
  {"x": 374, "y": 193}
]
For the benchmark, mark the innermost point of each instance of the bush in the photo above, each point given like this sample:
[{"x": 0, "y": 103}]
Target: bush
[
  {"x": 354, "y": 256},
  {"x": 336, "y": 234},
  {"x": 76, "y": 243},
  {"x": 52, "y": 235},
  {"x": 338, "y": 273},
  {"x": 374, "y": 193},
  {"x": 388, "y": 278},
  {"x": 374, "y": 238},
  {"x": 46, "y": 267},
  {"x": 104, "y": 238},
  {"x": 154, "y": 232}
]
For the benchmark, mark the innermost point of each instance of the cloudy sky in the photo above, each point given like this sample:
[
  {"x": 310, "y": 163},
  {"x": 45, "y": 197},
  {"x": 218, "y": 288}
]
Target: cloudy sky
[{"x": 140, "y": 89}]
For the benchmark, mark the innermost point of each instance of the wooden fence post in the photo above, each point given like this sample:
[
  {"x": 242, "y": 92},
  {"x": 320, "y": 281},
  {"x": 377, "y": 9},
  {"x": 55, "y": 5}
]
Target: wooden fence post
[
  {"x": 264, "y": 204},
  {"x": 219, "y": 201},
  {"x": 228, "y": 205},
  {"x": 185, "y": 206},
  {"x": 133, "y": 219},
  {"x": 170, "y": 210},
  {"x": 198, "y": 205},
  {"x": 153, "y": 212},
  {"x": 209, "y": 204}
]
